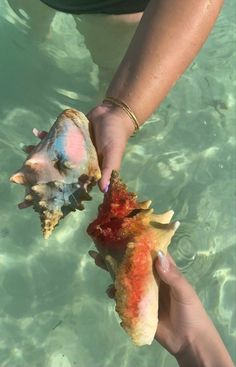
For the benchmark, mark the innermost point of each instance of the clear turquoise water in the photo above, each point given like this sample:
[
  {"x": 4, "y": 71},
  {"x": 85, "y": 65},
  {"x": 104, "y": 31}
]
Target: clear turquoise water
[{"x": 53, "y": 308}]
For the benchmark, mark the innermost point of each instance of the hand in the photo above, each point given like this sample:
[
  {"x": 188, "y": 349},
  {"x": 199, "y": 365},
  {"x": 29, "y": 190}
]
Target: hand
[
  {"x": 184, "y": 328},
  {"x": 181, "y": 314},
  {"x": 110, "y": 130}
]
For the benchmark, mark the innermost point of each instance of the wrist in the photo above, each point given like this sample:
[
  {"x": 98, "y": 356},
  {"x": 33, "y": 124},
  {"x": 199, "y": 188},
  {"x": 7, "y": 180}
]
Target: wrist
[
  {"x": 205, "y": 349},
  {"x": 106, "y": 112},
  {"x": 121, "y": 104}
]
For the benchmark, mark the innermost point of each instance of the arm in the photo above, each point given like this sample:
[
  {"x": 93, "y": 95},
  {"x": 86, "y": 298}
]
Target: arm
[
  {"x": 167, "y": 39},
  {"x": 207, "y": 351},
  {"x": 184, "y": 328}
]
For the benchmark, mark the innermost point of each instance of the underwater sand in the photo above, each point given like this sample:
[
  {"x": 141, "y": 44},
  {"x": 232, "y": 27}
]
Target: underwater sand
[{"x": 53, "y": 307}]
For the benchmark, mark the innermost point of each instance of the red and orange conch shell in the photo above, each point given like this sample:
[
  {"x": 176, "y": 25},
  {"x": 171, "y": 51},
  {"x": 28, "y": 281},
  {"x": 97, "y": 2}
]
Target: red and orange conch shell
[
  {"x": 128, "y": 235},
  {"x": 60, "y": 171}
]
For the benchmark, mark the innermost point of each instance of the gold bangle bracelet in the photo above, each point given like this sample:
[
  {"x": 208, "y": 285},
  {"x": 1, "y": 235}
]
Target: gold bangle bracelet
[{"x": 126, "y": 108}]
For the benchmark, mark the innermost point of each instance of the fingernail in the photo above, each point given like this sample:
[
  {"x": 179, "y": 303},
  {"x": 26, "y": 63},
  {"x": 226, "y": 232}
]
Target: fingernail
[
  {"x": 177, "y": 224},
  {"x": 164, "y": 262},
  {"x": 106, "y": 188}
]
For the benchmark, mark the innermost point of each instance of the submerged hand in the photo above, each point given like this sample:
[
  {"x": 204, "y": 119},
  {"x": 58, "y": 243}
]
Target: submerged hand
[
  {"x": 180, "y": 310},
  {"x": 110, "y": 131},
  {"x": 184, "y": 327},
  {"x": 181, "y": 314}
]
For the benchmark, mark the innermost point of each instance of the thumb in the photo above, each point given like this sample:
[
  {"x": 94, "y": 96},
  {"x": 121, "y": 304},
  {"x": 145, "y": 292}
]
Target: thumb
[
  {"x": 111, "y": 160},
  {"x": 170, "y": 274}
]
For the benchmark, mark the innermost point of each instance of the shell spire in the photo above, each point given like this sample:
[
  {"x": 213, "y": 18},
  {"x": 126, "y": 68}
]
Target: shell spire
[{"x": 49, "y": 220}]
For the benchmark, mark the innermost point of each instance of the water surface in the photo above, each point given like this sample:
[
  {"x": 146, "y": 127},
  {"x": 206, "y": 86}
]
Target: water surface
[{"x": 53, "y": 308}]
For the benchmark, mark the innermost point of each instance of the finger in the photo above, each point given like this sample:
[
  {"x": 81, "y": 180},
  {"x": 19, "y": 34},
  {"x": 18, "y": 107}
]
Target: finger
[
  {"x": 39, "y": 133},
  {"x": 98, "y": 259},
  {"x": 110, "y": 291},
  {"x": 170, "y": 274},
  {"x": 111, "y": 160}
]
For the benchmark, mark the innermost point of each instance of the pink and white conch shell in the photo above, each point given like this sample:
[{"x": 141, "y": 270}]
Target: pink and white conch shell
[
  {"x": 60, "y": 171},
  {"x": 128, "y": 235}
]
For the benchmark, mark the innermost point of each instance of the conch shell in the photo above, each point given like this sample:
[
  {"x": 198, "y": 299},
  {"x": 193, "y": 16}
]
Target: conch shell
[
  {"x": 60, "y": 171},
  {"x": 128, "y": 235}
]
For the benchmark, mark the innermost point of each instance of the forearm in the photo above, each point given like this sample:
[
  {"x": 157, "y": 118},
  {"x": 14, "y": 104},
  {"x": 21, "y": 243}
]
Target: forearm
[
  {"x": 167, "y": 39},
  {"x": 207, "y": 350}
]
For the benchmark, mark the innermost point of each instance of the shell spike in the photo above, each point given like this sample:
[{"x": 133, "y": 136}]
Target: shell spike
[
  {"x": 145, "y": 204},
  {"x": 36, "y": 188},
  {"x": 29, "y": 197},
  {"x": 163, "y": 218},
  {"x": 40, "y": 190},
  {"x": 31, "y": 162},
  {"x": 43, "y": 203},
  {"x": 19, "y": 178},
  {"x": 41, "y": 134}
]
